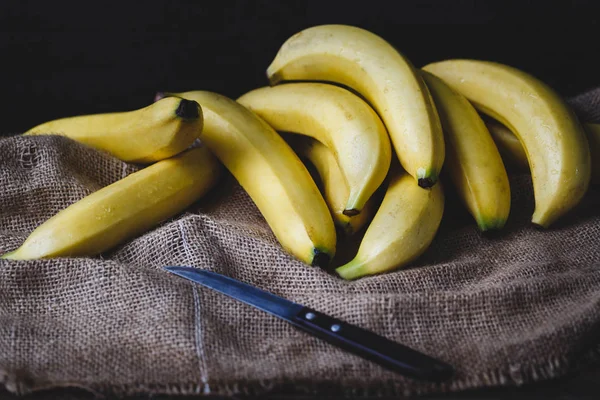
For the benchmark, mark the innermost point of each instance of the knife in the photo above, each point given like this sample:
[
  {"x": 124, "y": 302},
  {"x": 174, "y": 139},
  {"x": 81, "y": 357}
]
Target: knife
[{"x": 389, "y": 354}]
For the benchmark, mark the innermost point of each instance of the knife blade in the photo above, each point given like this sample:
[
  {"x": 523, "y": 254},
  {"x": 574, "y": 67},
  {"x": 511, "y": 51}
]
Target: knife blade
[{"x": 364, "y": 343}]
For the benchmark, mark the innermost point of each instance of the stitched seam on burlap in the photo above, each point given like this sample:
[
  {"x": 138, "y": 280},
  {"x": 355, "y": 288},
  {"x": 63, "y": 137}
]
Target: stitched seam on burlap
[{"x": 202, "y": 364}]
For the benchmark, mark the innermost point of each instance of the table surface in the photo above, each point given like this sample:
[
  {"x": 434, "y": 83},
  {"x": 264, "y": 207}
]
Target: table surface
[{"x": 585, "y": 385}]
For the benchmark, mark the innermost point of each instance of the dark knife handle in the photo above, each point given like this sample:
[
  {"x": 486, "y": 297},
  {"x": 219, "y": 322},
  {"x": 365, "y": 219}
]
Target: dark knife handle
[{"x": 373, "y": 347}]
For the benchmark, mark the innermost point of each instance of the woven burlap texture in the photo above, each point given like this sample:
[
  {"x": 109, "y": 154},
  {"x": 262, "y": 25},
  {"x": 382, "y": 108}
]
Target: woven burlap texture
[{"x": 519, "y": 307}]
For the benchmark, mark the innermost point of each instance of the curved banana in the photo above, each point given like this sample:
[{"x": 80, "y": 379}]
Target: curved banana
[
  {"x": 368, "y": 64},
  {"x": 334, "y": 187},
  {"x": 402, "y": 229},
  {"x": 513, "y": 151},
  {"x": 593, "y": 135},
  {"x": 149, "y": 134},
  {"x": 124, "y": 209},
  {"x": 337, "y": 118},
  {"x": 472, "y": 158},
  {"x": 551, "y": 134},
  {"x": 271, "y": 173},
  {"x": 508, "y": 144}
]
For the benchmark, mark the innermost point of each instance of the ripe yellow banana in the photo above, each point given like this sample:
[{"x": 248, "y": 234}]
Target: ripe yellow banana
[
  {"x": 511, "y": 148},
  {"x": 472, "y": 158},
  {"x": 124, "y": 209},
  {"x": 334, "y": 186},
  {"x": 271, "y": 173},
  {"x": 149, "y": 134},
  {"x": 368, "y": 64},
  {"x": 551, "y": 134},
  {"x": 339, "y": 119},
  {"x": 402, "y": 229}
]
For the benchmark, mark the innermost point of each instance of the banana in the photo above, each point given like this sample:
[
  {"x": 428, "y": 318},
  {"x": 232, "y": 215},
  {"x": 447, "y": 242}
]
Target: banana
[
  {"x": 508, "y": 144},
  {"x": 593, "y": 135},
  {"x": 553, "y": 138},
  {"x": 124, "y": 209},
  {"x": 271, "y": 173},
  {"x": 334, "y": 187},
  {"x": 146, "y": 135},
  {"x": 402, "y": 229},
  {"x": 472, "y": 158},
  {"x": 368, "y": 64},
  {"x": 513, "y": 151},
  {"x": 337, "y": 118}
]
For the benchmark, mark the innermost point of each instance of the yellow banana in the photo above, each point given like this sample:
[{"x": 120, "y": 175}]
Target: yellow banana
[
  {"x": 472, "y": 158},
  {"x": 124, "y": 209},
  {"x": 149, "y": 134},
  {"x": 337, "y": 118},
  {"x": 371, "y": 66},
  {"x": 334, "y": 186},
  {"x": 551, "y": 134},
  {"x": 402, "y": 229},
  {"x": 512, "y": 149},
  {"x": 271, "y": 173}
]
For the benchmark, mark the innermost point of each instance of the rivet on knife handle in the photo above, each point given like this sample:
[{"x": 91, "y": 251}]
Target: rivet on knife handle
[{"x": 374, "y": 347}]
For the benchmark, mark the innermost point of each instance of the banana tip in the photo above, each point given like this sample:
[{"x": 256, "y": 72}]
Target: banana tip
[
  {"x": 8, "y": 256},
  {"x": 426, "y": 183},
  {"x": 320, "y": 259},
  {"x": 542, "y": 220},
  {"x": 188, "y": 109},
  {"x": 351, "y": 270},
  {"x": 539, "y": 226},
  {"x": 351, "y": 212},
  {"x": 491, "y": 227},
  {"x": 274, "y": 79}
]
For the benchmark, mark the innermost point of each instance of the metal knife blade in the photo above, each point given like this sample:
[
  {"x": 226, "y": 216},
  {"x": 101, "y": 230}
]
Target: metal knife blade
[
  {"x": 265, "y": 301},
  {"x": 366, "y": 344}
]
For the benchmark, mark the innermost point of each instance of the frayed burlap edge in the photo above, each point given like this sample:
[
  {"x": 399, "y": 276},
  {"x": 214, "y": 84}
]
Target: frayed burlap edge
[{"x": 513, "y": 375}]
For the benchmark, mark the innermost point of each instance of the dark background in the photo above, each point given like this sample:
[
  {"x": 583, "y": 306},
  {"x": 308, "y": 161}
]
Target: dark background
[{"x": 68, "y": 58}]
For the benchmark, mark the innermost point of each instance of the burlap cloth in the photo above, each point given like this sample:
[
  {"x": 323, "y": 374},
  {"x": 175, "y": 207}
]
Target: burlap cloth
[{"x": 507, "y": 310}]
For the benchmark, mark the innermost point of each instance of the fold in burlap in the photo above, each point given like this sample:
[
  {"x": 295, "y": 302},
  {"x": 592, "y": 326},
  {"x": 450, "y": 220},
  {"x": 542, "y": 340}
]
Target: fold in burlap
[{"x": 516, "y": 308}]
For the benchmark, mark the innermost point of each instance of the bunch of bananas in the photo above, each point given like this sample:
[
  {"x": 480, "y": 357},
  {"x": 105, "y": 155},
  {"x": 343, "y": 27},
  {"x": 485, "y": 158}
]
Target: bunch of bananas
[{"x": 345, "y": 101}]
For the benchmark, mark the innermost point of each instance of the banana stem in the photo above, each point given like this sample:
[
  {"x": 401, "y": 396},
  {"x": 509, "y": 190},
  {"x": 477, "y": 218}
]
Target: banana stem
[{"x": 320, "y": 259}]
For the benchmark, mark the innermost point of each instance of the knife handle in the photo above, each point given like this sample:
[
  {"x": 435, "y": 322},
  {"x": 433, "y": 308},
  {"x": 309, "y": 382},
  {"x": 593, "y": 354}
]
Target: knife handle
[{"x": 373, "y": 347}]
